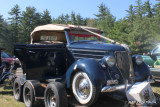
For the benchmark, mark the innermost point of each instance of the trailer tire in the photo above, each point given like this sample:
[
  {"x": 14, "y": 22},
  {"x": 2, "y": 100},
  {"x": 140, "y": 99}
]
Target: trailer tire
[
  {"x": 55, "y": 95},
  {"x": 17, "y": 90},
  {"x": 28, "y": 95}
]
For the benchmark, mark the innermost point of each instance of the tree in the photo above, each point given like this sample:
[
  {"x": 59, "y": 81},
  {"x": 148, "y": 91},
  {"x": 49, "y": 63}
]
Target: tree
[
  {"x": 67, "y": 19},
  {"x": 30, "y": 19},
  {"x": 157, "y": 8},
  {"x": 91, "y": 22},
  {"x": 79, "y": 20},
  {"x": 73, "y": 18},
  {"x": 139, "y": 8},
  {"x": 15, "y": 20},
  {"x": 46, "y": 17},
  {"x": 2, "y": 29},
  {"x": 131, "y": 14},
  {"x": 105, "y": 20},
  {"x": 102, "y": 12},
  {"x": 5, "y": 35},
  {"x": 147, "y": 9}
]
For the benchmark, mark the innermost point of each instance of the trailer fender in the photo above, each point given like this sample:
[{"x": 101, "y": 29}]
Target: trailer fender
[{"x": 93, "y": 69}]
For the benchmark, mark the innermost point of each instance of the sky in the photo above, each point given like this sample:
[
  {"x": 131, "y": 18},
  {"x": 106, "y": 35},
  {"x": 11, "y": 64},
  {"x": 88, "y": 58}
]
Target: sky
[{"x": 86, "y": 8}]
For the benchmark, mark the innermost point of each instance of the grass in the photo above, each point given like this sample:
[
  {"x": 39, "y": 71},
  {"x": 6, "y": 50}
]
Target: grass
[
  {"x": 7, "y": 99},
  {"x": 156, "y": 87}
]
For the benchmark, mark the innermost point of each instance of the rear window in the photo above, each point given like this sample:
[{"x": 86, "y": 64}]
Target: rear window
[{"x": 48, "y": 38}]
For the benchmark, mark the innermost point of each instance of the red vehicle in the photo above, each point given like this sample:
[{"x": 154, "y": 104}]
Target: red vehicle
[{"x": 6, "y": 58}]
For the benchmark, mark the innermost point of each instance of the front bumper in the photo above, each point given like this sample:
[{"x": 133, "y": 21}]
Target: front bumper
[{"x": 115, "y": 88}]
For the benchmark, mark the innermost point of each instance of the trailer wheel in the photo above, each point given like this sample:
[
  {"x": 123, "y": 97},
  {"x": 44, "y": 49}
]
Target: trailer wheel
[
  {"x": 28, "y": 95},
  {"x": 83, "y": 89},
  {"x": 17, "y": 90},
  {"x": 55, "y": 95}
]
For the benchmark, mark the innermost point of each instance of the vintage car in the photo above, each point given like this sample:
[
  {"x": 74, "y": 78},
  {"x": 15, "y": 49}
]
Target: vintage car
[
  {"x": 152, "y": 59},
  {"x": 74, "y": 60},
  {"x": 6, "y": 58}
]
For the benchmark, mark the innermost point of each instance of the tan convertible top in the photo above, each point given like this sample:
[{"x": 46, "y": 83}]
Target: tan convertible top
[{"x": 56, "y": 28}]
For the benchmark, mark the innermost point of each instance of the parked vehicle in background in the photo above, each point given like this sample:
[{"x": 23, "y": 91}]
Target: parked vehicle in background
[
  {"x": 6, "y": 58},
  {"x": 152, "y": 59},
  {"x": 65, "y": 59},
  {"x": 9, "y": 64}
]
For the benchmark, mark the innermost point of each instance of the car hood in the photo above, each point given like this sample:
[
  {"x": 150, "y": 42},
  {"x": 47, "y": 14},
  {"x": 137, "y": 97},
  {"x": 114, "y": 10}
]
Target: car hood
[{"x": 97, "y": 46}]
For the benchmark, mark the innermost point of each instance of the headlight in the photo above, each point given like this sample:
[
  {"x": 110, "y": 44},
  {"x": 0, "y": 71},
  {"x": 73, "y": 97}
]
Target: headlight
[
  {"x": 109, "y": 60},
  {"x": 139, "y": 60}
]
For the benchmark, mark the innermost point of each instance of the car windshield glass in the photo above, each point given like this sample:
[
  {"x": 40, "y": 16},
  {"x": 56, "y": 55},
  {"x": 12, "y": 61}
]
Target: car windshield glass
[
  {"x": 4, "y": 55},
  {"x": 156, "y": 49},
  {"x": 83, "y": 36}
]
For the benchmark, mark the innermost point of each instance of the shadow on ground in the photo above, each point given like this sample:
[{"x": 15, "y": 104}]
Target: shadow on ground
[
  {"x": 103, "y": 101},
  {"x": 6, "y": 93}
]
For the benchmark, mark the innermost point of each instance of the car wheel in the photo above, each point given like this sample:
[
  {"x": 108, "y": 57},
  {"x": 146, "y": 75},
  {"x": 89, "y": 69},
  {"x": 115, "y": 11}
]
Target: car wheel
[
  {"x": 28, "y": 95},
  {"x": 55, "y": 95},
  {"x": 83, "y": 89},
  {"x": 17, "y": 90}
]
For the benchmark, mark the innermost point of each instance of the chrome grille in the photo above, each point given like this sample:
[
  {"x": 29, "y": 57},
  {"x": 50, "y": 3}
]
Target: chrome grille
[
  {"x": 84, "y": 53},
  {"x": 123, "y": 64}
]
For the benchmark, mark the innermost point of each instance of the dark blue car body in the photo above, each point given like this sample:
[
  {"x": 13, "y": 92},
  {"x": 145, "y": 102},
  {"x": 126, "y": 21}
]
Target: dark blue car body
[{"x": 61, "y": 61}]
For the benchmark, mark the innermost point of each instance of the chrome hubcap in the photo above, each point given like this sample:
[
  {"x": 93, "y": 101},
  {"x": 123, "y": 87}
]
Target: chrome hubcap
[
  {"x": 83, "y": 87},
  {"x": 51, "y": 99},
  {"x": 27, "y": 96},
  {"x": 16, "y": 90}
]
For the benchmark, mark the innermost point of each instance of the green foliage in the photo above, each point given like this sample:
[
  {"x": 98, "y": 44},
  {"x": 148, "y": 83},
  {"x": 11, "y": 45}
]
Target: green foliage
[
  {"x": 46, "y": 17},
  {"x": 91, "y": 22},
  {"x": 105, "y": 20},
  {"x": 139, "y": 28},
  {"x": 72, "y": 19}
]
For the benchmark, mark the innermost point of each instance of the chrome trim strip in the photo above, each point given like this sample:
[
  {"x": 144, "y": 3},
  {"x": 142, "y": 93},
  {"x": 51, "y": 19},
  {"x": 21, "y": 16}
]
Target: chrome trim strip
[
  {"x": 71, "y": 49},
  {"x": 87, "y": 54},
  {"x": 85, "y": 57}
]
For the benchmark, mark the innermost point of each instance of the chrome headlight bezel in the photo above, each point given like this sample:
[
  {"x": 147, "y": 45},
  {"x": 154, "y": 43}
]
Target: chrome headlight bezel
[{"x": 110, "y": 61}]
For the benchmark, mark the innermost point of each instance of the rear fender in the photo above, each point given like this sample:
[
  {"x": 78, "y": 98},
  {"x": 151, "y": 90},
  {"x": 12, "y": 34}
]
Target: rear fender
[{"x": 92, "y": 68}]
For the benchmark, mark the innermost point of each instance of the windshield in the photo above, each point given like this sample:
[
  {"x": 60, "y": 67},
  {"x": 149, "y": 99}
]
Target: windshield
[{"x": 81, "y": 36}]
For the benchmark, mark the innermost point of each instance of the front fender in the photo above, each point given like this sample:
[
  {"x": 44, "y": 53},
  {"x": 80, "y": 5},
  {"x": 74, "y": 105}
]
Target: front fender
[
  {"x": 143, "y": 72},
  {"x": 93, "y": 69}
]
